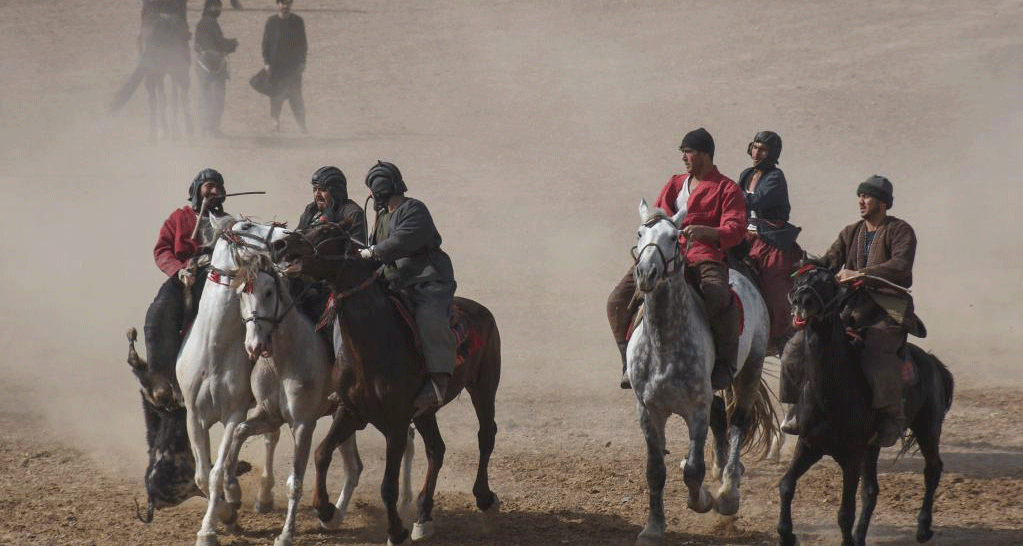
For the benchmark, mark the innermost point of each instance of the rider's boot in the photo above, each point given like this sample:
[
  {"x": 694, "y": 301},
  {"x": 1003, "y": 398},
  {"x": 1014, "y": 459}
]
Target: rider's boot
[
  {"x": 625, "y": 383},
  {"x": 889, "y": 429},
  {"x": 726, "y": 347},
  {"x": 791, "y": 423},
  {"x": 431, "y": 396}
]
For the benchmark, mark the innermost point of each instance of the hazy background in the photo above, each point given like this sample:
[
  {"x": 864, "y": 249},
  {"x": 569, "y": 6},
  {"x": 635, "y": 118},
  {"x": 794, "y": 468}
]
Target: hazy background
[{"x": 531, "y": 130}]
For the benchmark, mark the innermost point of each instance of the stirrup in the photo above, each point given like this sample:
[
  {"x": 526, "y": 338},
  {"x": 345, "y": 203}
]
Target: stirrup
[{"x": 429, "y": 398}]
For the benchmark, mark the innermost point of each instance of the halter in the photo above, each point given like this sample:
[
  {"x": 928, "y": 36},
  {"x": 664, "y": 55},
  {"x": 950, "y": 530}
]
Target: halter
[
  {"x": 827, "y": 307},
  {"x": 670, "y": 265},
  {"x": 276, "y": 320}
]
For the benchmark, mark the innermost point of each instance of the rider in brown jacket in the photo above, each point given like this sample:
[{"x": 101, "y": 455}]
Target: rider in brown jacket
[{"x": 883, "y": 247}]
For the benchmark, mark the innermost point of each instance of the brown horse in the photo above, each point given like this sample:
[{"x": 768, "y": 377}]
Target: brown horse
[{"x": 387, "y": 370}]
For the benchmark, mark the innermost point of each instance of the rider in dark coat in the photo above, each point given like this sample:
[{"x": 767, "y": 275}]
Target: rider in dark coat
[
  {"x": 771, "y": 238},
  {"x": 883, "y": 247},
  {"x": 415, "y": 264},
  {"x": 212, "y": 49}
]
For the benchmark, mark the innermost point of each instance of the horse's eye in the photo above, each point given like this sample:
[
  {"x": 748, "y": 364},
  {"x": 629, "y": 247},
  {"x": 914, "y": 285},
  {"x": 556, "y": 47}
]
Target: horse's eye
[{"x": 267, "y": 294}]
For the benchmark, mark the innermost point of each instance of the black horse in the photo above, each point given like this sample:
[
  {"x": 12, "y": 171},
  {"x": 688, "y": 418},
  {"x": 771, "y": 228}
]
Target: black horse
[{"x": 836, "y": 414}]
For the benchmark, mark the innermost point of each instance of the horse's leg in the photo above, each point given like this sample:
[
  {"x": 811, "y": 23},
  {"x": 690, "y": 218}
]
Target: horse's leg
[
  {"x": 349, "y": 451},
  {"x": 427, "y": 427},
  {"x": 653, "y": 431},
  {"x": 868, "y": 496},
  {"x": 927, "y": 435},
  {"x": 802, "y": 459},
  {"x": 186, "y": 106},
  {"x": 207, "y": 535},
  {"x": 303, "y": 432},
  {"x": 405, "y": 489},
  {"x": 199, "y": 437},
  {"x": 396, "y": 440},
  {"x": 851, "y": 468},
  {"x": 694, "y": 468},
  {"x": 259, "y": 423},
  {"x": 152, "y": 98},
  {"x": 264, "y": 495},
  {"x": 342, "y": 427},
  {"x": 719, "y": 427},
  {"x": 483, "y": 402}
]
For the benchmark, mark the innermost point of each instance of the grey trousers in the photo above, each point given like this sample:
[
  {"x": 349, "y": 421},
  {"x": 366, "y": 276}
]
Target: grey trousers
[{"x": 431, "y": 304}]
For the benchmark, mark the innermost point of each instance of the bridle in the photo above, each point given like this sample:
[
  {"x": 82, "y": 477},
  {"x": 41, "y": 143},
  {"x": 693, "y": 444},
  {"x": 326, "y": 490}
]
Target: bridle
[
  {"x": 827, "y": 307},
  {"x": 277, "y": 317},
  {"x": 671, "y": 265}
]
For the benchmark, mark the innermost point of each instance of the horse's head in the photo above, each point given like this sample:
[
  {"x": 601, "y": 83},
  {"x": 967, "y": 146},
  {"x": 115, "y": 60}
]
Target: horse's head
[
  {"x": 815, "y": 293},
  {"x": 317, "y": 252},
  {"x": 264, "y": 300},
  {"x": 657, "y": 253},
  {"x": 240, "y": 239}
]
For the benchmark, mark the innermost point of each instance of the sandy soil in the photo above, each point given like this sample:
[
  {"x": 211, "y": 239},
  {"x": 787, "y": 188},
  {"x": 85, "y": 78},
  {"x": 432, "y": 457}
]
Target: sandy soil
[{"x": 531, "y": 130}]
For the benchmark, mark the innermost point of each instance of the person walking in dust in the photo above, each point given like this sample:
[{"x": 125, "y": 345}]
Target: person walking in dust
[
  {"x": 284, "y": 56},
  {"x": 211, "y": 70}
]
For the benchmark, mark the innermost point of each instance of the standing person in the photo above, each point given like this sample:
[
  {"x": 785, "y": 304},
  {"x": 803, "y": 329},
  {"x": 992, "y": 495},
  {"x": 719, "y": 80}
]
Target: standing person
[
  {"x": 771, "y": 238},
  {"x": 284, "y": 56},
  {"x": 882, "y": 246},
  {"x": 415, "y": 264},
  {"x": 212, "y": 49},
  {"x": 714, "y": 221}
]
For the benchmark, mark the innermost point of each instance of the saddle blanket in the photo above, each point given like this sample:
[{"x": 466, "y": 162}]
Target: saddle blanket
[{"x": 467, "y": 338}]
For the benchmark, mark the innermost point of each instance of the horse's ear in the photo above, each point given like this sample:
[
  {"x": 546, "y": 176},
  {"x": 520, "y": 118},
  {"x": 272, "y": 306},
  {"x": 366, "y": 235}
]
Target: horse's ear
[
  {"x": 222, "y": 223},
  {"x": 644, "y": 210},
  {"x": 677, "y": 218}
]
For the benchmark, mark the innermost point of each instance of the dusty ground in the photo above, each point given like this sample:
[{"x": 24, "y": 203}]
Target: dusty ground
[{"x": 531, "y": 130}]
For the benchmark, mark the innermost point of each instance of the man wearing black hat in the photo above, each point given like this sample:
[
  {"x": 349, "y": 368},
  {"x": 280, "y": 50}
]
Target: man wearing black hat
[
  {"x": 211, "y": 51},
  {"x": 184, "y": 260},
  {"x": 330, "y": 204},
  {"x": 715, "y": 221},
  {"x": 883, "y": 247},
  {"x": 409, "y": 247}
]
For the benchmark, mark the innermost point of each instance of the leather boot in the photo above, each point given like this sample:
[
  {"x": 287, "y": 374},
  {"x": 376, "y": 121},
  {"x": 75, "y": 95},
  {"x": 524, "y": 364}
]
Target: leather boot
[
  {"x": 625, "y": 383},
  {"x": 791, "y": 423},
  {"x": 889, "y": 429},
  {"x": 725, "y": 329},
  {"x": 431, "y": 396}
]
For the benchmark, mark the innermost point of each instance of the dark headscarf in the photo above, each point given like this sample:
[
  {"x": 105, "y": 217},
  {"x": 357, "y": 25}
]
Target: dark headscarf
[{"x": 195, "y": 191}]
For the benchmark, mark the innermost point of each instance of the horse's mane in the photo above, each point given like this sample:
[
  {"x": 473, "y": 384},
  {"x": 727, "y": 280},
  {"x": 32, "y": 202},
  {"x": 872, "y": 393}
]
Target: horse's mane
[
  {"x": 249, "y": 267},
  {"x": 655, "y": 214}
]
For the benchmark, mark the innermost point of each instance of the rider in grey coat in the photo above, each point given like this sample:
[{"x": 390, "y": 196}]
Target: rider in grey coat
[{"x": 415, "y": 264}]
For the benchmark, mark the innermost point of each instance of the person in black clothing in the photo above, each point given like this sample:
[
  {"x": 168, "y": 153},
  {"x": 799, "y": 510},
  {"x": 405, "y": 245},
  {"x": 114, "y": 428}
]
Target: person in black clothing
[
  {"x": 284, "y": 56},
  {"x": 212, "y": 49}
]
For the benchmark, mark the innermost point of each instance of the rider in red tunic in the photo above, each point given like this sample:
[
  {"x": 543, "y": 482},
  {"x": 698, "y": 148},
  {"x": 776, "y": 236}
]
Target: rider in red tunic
[{"x": 715, "y": 220}]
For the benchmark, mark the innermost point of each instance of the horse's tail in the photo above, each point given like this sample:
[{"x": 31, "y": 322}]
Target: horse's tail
[
  {"x": 127, "y": 90},
  {"x": 761, "y": 421},
  {"x": 938, "y": 372}
]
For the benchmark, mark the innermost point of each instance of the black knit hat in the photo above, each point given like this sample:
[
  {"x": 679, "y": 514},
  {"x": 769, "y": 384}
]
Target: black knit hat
[
  {"x": 878, "y": 187},
  {"x": 698, "y": 140}
]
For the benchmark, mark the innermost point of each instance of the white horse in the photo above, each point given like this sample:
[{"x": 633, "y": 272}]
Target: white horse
[{"x": 670, "y": 357}]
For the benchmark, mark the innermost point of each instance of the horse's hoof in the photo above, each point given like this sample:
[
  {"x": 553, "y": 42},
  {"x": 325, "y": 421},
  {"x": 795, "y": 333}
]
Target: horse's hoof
[
  {"x": 929, "y": 540},
  {"x": 401, "y": 539},
  {"x": 335, "y": 522},
  {"x": 702, "y": 504},
  {"x": 794, "y": 541},
  {"x": 422, "y": 531},
  {"x": 727, "y": 503},
  {"x": 263, "y": 506},
  {"x": 495, "y": 506},
  {"x": 283, "y": 541},
  {"x": 651, "y": 535},
  {"x": 206, "y": 539}
]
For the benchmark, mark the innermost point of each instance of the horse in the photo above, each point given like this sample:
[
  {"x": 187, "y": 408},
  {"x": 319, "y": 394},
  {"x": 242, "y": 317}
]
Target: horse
[
  {"x": 386, "y": 371},
  {"x": 214, "y": 372},
  {"x": 836, "y": 415},
  {"x": 163, "y": 53},
  {"x": 669, "y": 360}
]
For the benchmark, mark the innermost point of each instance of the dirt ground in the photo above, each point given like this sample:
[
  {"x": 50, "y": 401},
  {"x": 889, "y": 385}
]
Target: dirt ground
[{"x": 531, "y": 130}]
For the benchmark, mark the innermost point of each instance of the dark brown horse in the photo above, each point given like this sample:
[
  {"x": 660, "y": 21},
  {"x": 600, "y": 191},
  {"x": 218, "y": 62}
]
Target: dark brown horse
[
  {"x": 387, "y": 370},
  {"x": 836, "y": 414}
]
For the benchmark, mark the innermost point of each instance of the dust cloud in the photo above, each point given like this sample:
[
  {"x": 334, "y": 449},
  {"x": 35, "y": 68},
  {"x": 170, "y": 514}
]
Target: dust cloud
[{"x": 531, "y": 130}]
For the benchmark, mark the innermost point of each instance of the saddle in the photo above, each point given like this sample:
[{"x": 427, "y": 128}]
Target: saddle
[
  {"x": 638, "y": 317},
  {"x": 467, "y": 338}
]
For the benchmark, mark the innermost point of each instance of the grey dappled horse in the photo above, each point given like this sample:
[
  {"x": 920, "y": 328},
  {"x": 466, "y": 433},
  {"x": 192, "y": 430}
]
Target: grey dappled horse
[{"x": 670, "y": 357}]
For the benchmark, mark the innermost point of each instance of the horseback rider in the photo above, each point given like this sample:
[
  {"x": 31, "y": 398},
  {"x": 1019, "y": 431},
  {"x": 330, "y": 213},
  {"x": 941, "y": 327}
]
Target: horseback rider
[
  {"x": 212, "y": 49},
  {"x": 878, "y": 246},
  {"x": 771, "y": 239},
  {"x": 170, "y": 16},
  {"x": 330, "y": 204},
  {"x": 184, "y": 259},
  {"x": 408, "y": 243},
  {"x": 715, "y": 221}
]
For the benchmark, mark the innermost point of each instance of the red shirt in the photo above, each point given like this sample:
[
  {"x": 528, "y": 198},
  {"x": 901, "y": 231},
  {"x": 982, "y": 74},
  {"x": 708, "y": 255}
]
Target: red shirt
[
  {"x": 175, "y": 245},
  {"x": 716, "y": 202}
]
